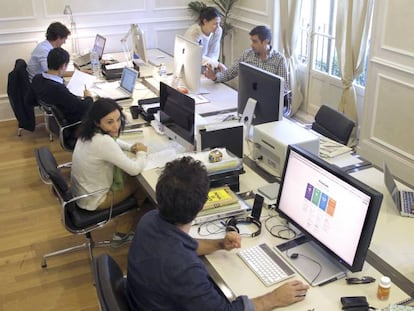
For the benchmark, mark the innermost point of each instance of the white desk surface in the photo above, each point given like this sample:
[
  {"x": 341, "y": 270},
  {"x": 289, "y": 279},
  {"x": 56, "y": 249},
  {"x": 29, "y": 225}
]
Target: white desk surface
[
  {"x": 229, "y": 267},
  {"x": 392, "y": 236}
]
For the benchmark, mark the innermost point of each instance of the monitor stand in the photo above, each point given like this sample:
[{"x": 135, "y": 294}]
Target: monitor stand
[
  {"x": 311, "y": 261},
  {"x": 247, "y": 118}
]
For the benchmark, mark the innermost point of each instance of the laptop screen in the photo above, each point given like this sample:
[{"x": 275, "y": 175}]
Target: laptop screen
[
  {"x": 391, "y": 185},
  {"x": 99, "y": 45},
  {"x": 129, "y": 76}
]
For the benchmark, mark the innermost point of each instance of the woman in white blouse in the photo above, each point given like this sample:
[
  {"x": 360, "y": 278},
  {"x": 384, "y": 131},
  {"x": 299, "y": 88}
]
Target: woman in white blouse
[
  {"x": 207, "y": 32},
  {"x": 99, "y": 162}
]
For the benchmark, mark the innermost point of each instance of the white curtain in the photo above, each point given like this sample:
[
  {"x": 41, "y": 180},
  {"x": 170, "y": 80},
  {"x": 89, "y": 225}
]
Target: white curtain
[
  {"x": 353, "y": 18},
  {"x": 289, "y": 25}
]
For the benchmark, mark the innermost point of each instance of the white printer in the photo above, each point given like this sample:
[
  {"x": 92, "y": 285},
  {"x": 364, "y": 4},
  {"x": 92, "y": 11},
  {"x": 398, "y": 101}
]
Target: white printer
[{"x": 272, "y": 139}]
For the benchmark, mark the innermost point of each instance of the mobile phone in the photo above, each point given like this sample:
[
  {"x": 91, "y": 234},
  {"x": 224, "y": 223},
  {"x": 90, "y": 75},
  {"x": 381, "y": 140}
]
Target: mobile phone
[{"x": 257, "y": 206}]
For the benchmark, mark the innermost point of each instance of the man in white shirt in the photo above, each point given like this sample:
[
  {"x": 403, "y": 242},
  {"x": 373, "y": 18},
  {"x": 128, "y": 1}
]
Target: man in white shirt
[{"x": 56, "y": 35}]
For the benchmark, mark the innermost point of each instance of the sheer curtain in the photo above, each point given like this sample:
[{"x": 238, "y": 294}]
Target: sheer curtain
[
  {"x": 352, "y": 25},
  {"x": 289, "y": 25}
]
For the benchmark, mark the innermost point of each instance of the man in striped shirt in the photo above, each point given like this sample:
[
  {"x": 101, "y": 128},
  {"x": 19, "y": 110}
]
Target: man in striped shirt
[{"x": 260, "y": 55}]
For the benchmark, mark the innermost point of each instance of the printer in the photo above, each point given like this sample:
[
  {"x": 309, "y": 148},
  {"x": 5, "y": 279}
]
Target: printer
[{"x": 272, "y": 139}]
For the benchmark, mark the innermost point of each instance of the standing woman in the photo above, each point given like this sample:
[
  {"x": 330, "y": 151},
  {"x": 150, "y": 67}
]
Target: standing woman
[
  {"x": 207, "y": 32},
  {"x": 99, "y": 162}
]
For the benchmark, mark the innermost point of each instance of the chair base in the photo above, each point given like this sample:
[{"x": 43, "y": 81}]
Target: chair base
[{"x": 89, "y": 244}]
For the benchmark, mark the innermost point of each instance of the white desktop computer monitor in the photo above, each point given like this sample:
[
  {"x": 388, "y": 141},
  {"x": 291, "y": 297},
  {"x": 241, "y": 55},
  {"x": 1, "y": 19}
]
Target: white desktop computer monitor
[
  {"x": 139, "y": 46},
  {"x": 187, "y": 63},
  {"x": 264, "y": 87},
  {"x": 177, "y": 114},
  {"x": 335, "y": 212}
]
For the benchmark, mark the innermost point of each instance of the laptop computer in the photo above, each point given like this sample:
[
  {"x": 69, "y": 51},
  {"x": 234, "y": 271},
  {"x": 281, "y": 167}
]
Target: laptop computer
[
  {"x": 98, "y": 47},
  {"x": 125, "y": 88},
  {"x": 403, "y": 200}
]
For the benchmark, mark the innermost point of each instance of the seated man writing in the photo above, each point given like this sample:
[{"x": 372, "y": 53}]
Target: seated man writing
[
  {"x": 164, "y": 270},
  {"x": 49, "y": 88}
]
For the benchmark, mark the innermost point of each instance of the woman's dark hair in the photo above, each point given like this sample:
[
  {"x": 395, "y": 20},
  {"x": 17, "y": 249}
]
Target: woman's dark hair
[
  {"x": 262, "y": 32},
  {"x": 208, "y": 13},
  {"x": 57, "y": 30},
  {"x": 96, "y": 112},
  {"x": 182, "y": 190},
  {"x": 56, "y": 58}
]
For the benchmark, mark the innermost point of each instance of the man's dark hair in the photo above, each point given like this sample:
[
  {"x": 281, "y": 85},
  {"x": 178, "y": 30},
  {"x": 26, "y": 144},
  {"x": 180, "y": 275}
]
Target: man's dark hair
[
  {"x": 182, "y": 190},
  {"x": 262, "y": 32},
  {"x": 56, "y": 58},
  {"x": 99, "y": 109},
  {"x": 56, "y": 30}
]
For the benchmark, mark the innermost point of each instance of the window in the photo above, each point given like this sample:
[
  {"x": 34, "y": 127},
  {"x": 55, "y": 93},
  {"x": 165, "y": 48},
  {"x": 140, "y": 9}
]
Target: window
[{"x": 316, "y": 42}]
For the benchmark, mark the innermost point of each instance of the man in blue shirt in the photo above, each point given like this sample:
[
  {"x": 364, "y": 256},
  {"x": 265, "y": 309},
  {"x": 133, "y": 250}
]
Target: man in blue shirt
[
  {"x": 56, "y": 35},
  {"x": 164, "y": 268}
]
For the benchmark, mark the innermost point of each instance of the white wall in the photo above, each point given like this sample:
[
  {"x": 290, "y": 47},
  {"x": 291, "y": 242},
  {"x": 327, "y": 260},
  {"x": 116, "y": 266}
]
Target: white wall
[{"x": 387, "y": 132}]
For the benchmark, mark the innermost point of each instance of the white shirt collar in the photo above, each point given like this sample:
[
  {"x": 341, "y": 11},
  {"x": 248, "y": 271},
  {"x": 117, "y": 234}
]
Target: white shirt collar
[{"x": 52, "y": 77}]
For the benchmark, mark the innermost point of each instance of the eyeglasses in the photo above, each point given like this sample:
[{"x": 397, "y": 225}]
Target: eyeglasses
[{"x": 361, "y": 280}]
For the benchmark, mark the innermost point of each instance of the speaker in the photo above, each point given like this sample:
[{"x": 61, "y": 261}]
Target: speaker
[{"x": 232, "y": 222}]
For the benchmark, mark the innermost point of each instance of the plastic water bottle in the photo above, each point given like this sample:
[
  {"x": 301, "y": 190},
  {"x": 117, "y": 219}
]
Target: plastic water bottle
[
  {"x": 162, "y": 70},
  {"x": 95, "y": 65}
]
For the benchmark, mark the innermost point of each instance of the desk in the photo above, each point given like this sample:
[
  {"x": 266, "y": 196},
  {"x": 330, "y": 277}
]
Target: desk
[{"x": 392, "y": 236}]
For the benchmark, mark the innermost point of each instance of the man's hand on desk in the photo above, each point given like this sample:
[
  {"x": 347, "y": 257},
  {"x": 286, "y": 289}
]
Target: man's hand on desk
[
  {"x": 231, "y": 241},
  {"x": 210, "y": 72},
  {"x": 286, "y": 294}
]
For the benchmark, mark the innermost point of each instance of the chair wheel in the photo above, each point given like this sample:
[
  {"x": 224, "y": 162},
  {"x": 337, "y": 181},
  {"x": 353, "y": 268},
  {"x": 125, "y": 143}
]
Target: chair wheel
[{"x": 44, "y": 265}]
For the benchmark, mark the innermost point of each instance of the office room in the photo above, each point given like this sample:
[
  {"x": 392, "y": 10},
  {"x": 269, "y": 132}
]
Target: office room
[{"x": 30, "y": 214}]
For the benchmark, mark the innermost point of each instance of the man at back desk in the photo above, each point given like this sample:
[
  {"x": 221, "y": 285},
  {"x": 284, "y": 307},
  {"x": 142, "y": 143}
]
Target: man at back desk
[
  {"x": 164, "y": 270},
  {"x": 49, "y": 88},
  {"x": 261, "y": 54}
]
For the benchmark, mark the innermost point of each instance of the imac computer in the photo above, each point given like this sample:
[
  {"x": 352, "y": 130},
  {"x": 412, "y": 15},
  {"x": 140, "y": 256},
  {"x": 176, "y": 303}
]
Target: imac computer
[
  {"x": 187, "y": 63},
  {"x": 139, "y": 46},
  {"x": 261, "y": 93},
  {"x": 177, "y": 113},
  {"x": 335, "y": 213}
]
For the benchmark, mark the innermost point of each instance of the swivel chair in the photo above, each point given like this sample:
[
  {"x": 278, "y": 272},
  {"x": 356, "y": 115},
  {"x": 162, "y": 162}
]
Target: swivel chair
[
  {"x": 333, "y": 124},
  {"x": 110, "y": 284},
  {"x": 76, "y": 220},
  {"x": 66, "y": 131}
]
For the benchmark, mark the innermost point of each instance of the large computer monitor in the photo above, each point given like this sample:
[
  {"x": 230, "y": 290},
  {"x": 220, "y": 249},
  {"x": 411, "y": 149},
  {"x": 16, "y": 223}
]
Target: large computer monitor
[
  {"x": 139, "y": 46},
  {"x": 177, "y": 113},
  {"x": 335, "y": 212},
  {"x": 264, "y": 87},
  {"x": 187, "y": 63}
]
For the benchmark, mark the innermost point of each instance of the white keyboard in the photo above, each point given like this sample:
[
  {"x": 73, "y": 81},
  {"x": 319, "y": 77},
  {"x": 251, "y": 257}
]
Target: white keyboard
[{"x": 266, "y": 264}]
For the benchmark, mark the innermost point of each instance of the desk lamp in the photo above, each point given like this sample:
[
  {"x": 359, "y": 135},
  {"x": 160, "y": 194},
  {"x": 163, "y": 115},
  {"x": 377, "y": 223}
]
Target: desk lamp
[
  {"x": 131, "y": 32},
  {"x": 73, "y": 31}
]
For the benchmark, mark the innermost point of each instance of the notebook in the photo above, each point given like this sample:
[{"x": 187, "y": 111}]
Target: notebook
[
  {"x": 98, "y": 47},
  {"x": 403, "y": 200},
  {"x": 125, "y": 88}
]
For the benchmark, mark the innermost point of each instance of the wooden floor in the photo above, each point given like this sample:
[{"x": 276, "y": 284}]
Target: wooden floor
[{"x": 30, "y": 226}]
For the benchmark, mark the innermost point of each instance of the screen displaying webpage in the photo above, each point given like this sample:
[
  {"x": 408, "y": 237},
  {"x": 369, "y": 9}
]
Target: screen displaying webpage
[{"x": 330, "y": 209}]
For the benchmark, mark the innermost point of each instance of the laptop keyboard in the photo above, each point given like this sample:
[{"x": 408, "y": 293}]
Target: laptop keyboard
[
  {"x": 266, "y": 264},
  {"x": 407, "y": 201}
]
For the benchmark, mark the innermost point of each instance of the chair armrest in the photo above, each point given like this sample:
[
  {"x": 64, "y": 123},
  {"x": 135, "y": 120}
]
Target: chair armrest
[{"x": 77, "y": 198}]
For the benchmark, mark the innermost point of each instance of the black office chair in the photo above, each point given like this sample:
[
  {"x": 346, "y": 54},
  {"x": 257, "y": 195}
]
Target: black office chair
[
  {"x": 67, "y": 131},
  {"x": 110, "y": 284},
  {"x": 76, "y": 220},
  {"x": 333, "y": 124}
]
